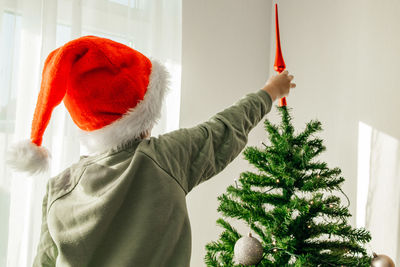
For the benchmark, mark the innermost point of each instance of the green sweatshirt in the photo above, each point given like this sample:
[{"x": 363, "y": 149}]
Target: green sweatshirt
[{"x": 127, "y": 207}]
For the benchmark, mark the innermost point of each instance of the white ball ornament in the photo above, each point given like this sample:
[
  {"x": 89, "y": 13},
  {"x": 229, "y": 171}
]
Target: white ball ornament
[{"x": 248, "y": 250}]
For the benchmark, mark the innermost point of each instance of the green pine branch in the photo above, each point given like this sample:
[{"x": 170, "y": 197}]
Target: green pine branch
[{"x": 290, "y": 205}]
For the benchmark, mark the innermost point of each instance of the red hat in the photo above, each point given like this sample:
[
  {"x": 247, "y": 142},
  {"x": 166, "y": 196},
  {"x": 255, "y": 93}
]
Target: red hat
[{"x": 112, "y": 92}]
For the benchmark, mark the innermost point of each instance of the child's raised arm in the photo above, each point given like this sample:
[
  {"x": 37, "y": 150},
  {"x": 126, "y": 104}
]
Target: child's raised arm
[{"x": 194, "y": 155}]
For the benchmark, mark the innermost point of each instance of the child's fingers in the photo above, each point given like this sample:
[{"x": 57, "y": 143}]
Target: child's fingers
[
  {"x": 285, "y": 72},
  {"x": 292, "y": 85},
  {"x": 290, "y": 77}
]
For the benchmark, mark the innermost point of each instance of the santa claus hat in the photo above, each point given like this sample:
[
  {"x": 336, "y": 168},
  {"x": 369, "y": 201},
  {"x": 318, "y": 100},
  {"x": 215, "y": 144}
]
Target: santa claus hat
[{"x": 112, "y": 92}]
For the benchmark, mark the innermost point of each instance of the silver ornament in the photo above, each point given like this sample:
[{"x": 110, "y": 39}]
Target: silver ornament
[
  {"x": 248, "y": 250},
  {"x": 382, "y": 261}
]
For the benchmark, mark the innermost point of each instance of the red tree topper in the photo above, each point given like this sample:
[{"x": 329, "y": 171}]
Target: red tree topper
[{"x": 279, "y": 64}]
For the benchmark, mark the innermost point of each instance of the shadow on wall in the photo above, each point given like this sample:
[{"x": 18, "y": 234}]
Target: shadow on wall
[
  {"x": 4, "y": 211},
  {"x": 378, "y": 201}
]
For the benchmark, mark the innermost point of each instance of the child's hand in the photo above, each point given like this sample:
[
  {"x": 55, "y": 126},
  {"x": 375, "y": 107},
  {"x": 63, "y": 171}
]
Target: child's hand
[{"x": 279, "y": 85}]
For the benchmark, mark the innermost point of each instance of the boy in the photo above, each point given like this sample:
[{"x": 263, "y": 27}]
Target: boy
[{"x": 125, "y": 204}]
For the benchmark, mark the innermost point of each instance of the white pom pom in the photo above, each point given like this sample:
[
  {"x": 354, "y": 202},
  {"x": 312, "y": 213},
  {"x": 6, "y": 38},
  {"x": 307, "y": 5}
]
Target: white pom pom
[{"x": 28, "y": 157}]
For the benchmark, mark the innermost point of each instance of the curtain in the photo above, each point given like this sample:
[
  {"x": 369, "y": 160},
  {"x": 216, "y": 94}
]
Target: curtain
[{"x": 29, "y": 31}]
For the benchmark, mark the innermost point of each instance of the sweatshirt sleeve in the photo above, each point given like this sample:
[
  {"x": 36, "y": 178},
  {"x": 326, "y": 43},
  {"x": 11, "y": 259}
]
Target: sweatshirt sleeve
[
  {"x": 46, "y": 251},
  {"x": 194, "y": 155}
]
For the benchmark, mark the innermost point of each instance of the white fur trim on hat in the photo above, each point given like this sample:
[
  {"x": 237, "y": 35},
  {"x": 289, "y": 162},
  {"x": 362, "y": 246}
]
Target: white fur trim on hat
[
  {"x": 136, "y": 121},
  {"x": 28, "y": 157}
]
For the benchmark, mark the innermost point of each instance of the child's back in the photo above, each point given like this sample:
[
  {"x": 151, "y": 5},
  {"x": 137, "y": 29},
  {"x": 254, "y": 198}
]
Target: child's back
[{"x": 127, "y": 207}]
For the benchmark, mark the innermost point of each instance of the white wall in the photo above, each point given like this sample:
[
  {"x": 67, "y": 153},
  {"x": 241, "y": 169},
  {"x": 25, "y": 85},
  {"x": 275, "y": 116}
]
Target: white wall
[
  {"x": 225, "y": 55},
  {"x": 344, "y": 55}
]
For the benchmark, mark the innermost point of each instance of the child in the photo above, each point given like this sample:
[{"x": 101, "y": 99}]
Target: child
[{"x": 125, "y": 204}]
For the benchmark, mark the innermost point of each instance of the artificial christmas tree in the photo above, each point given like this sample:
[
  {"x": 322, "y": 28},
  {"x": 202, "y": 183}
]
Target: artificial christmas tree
[{"x": 289, "y": 203}]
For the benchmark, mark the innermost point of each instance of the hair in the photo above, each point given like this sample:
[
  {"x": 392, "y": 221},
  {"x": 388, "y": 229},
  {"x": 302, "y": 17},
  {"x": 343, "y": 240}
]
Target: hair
[{"x": 145, "y": 134}]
